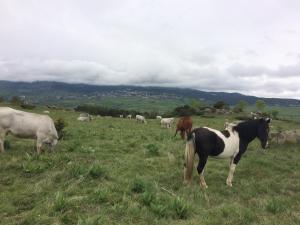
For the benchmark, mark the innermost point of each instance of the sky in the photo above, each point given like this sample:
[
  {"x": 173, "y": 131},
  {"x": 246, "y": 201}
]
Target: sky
[{"x": 250, "y": 47}]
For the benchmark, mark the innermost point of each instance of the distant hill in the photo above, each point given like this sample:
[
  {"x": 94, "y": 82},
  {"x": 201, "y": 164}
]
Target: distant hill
[{"x": 44, "y": 92}]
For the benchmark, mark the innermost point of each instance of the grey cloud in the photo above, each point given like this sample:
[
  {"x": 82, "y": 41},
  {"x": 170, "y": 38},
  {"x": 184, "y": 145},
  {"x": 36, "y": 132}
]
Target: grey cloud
[
  {"x": 209, "y": 78},
  {"x": 195, "y": 44},
  {"x": 260, "y": 71},
  {"x": 247, "y": 71}
]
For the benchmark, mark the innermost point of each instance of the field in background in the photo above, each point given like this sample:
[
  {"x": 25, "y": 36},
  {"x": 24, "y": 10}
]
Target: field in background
[
  {"x": 114, "y": 171},
  {"x": 289, "y": 113},
  {"x": 143, "y": 104},
  {"x": 167, "y": 105}
]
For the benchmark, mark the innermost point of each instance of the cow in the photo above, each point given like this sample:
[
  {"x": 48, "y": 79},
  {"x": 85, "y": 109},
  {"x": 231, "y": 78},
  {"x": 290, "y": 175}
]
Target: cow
[
  {"x": 167, "y": 122},
  {"x": 84, "y": 117},
  {"x": 158, "y": 117},
  {"x": 287, "y": 136},
  {"x": 129, "y": 117},
  {"x": 184, "y": 125},
  {"x": 121, "y": 116},
  {"x": 27, "y": 125},
  {"x": 47, "y": 112},
  {"x": 140, "y": 119}
]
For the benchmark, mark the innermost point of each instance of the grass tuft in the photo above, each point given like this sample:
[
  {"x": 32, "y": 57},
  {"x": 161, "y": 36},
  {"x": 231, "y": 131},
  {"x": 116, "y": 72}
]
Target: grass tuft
[
  {"x": 180, "y": 207},
  {"x": 158, "y": 209},
  {"x": 77, "y": 171},
  {"x": 97, "y": 172},
  {"x": 275, "y": 206},
  {"x": 147, "y": 198},
  {"x": 60, "y": 202},
  {"x": 99, "y": 196},
  {"x": 89, "y": 221},
  {"x": 152, "y": 150},
  {"x": 32, "y": 167},
  {"x": 138, "y": 186}
]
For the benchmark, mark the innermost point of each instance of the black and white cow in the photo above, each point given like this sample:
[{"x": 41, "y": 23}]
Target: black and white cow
[{"x": 229, "y": 143}]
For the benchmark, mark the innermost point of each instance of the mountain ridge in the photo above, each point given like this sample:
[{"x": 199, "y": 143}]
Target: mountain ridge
[{"x": 41, "y": 92}]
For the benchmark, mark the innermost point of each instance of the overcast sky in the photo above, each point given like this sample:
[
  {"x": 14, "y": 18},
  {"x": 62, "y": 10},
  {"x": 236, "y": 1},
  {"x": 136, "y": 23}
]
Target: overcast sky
[{"x": 251, "y": 47}]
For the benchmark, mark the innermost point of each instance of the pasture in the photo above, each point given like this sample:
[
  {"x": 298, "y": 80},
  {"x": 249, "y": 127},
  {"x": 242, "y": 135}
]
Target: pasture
[{"x": 117, "y": 171}]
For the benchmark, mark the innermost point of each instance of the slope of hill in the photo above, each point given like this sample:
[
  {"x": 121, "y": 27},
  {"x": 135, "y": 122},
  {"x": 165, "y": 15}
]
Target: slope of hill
[{"x": 44, "y": 92}]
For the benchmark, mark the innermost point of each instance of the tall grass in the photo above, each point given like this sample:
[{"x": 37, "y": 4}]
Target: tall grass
[{"x": 115, "y": 171}]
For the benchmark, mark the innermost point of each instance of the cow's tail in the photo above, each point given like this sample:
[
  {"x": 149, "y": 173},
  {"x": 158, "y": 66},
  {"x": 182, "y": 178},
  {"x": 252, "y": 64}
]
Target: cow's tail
[{"x": 189, "y": 157}]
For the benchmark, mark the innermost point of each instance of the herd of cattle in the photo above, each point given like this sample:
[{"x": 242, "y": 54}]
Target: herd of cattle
[
  {"x": 41, "y": 127},
  {"x": 184, "y": 124}
]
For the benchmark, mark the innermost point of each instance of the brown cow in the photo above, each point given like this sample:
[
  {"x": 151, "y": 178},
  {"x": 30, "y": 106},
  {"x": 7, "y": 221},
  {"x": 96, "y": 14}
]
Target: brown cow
[{"x": 184, "y": 125}]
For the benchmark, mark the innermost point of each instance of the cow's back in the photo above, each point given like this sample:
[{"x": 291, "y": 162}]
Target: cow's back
[{"x": 25, "y": 124}]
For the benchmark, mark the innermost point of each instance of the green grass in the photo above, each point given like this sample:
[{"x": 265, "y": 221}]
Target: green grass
[{"x": 115, "y": 171}]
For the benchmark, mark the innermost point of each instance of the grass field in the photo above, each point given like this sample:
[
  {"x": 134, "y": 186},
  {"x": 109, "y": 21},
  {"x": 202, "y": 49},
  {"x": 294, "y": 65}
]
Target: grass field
[{"x": 114, "y": 171}]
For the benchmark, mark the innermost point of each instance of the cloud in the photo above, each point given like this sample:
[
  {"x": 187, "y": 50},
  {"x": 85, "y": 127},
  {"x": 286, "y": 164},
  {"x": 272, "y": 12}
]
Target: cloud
[
  {"x": 209, "y": 45},
  {"x": 239, "y": 70},
  {"x": 237, "y": 78}
]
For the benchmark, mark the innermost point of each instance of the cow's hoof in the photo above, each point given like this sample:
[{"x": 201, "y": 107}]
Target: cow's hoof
[{"x": 204, "y": 186}]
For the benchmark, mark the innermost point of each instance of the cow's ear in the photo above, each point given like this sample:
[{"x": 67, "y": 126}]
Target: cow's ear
[{"x": 268, "y": 120}]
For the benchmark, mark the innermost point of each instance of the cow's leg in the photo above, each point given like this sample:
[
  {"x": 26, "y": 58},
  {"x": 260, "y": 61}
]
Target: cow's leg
[
  {"x": 200, "y": 169},
  {"x": 39, "y": 144},
  {"x": 182, "y": 134},
  {"x": 2, "y": 138},
  {"x": 2, "y": 145}
]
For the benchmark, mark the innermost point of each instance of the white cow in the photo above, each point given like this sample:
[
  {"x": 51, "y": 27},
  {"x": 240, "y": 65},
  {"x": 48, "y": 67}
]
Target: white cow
[
  {"x": 27, "y": 125},
  {"x": 167, "y": 122},
  {"x": 129, "y": 116},
  {"x": 158, "y": 117},
  {"x": 121, "y": 116},
  {"x": 141, "y": 119},
  {"x": 84, "y": 117},
  {"x": 47, "y": 112}
]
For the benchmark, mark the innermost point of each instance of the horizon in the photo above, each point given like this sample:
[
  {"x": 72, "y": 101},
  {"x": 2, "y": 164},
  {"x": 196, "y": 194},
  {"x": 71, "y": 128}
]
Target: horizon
[{"x": 242, "y": 47}]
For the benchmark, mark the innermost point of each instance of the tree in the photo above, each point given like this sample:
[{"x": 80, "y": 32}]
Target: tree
[
  {"x": 260, "y": 105},
  {"x": 197, "y": 105},
  {"x": 240, "y": 106},
  {"x": 221, "y": 105},
  {"x": 274, "y": 114},
  {"x": 1, "y": 99},
  {"x": 185, "y": 110}
]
